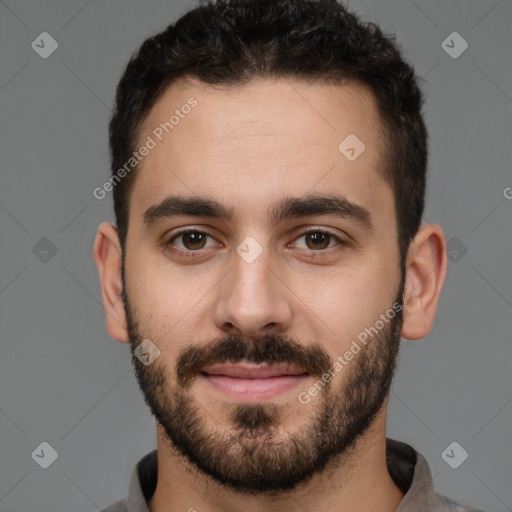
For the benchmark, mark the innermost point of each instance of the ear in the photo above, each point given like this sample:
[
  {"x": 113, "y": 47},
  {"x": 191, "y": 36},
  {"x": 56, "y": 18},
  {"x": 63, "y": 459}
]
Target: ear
[
  {"x": 425, "y": 272},
  {"x": 107, "y": 253}
]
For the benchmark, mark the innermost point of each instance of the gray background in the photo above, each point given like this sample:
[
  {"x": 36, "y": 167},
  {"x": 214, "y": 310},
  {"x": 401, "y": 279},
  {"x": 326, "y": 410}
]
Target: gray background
[{"x": 65, "y": 382}]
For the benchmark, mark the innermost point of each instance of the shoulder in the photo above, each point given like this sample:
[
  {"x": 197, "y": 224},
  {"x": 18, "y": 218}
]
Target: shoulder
[
  {"x": 453, "y": 506},
  {"x": 118, "y": 506}
]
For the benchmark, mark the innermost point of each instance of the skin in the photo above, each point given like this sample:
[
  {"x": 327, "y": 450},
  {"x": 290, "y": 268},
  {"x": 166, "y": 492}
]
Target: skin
[{"x": 248, "y": 148}]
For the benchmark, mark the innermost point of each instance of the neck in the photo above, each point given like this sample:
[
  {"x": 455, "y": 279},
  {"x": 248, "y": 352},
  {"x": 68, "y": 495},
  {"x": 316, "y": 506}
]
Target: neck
[{"x": 357, "y": 480}]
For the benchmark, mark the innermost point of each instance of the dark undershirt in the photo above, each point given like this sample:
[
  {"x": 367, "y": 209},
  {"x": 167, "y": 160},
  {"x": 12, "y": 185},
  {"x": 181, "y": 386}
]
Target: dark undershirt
[{"x": 400, "y": 460}]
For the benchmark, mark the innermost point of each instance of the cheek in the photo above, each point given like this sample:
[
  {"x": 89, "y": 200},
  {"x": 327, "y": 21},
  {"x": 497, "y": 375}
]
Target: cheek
[
  {"x": 169, "y": 305},
  {"x": 351, "y": 300}
]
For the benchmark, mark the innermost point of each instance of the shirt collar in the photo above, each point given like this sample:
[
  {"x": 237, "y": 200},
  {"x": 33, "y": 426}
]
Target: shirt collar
[{"x": 407, "y": 467}]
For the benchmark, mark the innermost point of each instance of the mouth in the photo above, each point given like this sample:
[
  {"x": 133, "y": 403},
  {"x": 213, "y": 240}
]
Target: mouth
[{"x": 253, "y": 383}]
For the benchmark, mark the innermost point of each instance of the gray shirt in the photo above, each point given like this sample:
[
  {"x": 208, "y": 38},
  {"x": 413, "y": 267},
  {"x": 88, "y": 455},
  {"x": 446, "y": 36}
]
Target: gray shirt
[{"x": 407, "y": 467}]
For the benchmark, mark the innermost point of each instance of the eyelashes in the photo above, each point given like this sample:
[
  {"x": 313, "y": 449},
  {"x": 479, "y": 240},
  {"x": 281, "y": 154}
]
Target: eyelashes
[{"x": 201, "y": 236}]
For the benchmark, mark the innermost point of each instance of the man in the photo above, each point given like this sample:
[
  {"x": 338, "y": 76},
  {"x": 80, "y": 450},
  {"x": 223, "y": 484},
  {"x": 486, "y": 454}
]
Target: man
[{"x": 268, "y": 173}]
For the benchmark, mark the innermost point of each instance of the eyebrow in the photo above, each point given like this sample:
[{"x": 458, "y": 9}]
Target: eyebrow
[{"x": 286, "y": 208}]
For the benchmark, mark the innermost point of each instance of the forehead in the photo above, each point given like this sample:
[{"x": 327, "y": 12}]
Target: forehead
[{"x": 249, "y": 145}]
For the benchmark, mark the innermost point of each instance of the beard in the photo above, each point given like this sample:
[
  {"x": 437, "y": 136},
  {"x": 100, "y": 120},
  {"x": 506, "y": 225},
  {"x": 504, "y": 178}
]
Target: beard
[{"x": 256, "y": 454}]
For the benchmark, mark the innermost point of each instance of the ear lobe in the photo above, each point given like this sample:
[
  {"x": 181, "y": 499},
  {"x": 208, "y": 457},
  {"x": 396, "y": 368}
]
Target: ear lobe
[
  {"x": 107, "y": 253},
  {"x": 425, "y": 272}
]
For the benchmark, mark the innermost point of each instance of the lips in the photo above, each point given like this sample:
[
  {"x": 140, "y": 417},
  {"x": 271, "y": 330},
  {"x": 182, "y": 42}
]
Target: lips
[
  {"x": 251, "y": 383},
  {"x": 246, "y": 371}
]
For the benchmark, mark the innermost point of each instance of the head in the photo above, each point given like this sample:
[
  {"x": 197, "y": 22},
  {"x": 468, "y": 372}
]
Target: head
[
  {"x": 273, "y": 219},
  {"x": 234, "y": 43}
]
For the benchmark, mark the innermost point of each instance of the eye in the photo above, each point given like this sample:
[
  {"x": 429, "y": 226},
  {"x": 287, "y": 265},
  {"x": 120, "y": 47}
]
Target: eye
[
  {"x": 192, "y": 240},
  {"x": 319, "y": 240}
]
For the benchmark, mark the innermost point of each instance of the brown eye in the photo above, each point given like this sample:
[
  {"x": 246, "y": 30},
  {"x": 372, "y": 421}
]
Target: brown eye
[
  {"x": 194, "y": 240},
  {"x": 317, "y": 240},
  {"x": 189, "y": 241}
]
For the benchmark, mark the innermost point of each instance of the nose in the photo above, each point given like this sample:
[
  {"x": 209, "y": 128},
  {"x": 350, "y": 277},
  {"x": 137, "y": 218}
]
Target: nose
[{"x": 253, "y": 299}]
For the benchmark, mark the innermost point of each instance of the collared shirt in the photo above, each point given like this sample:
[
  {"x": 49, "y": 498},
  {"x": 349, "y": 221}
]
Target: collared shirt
[{"x": 407, "y": 467}]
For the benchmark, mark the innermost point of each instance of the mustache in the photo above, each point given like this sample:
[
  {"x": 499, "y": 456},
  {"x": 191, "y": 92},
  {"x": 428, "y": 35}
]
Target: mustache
[{"x": 235, "y": 349}]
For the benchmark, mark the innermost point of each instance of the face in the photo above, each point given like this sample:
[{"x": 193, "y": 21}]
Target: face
[{"x": 270, "y": 282}]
